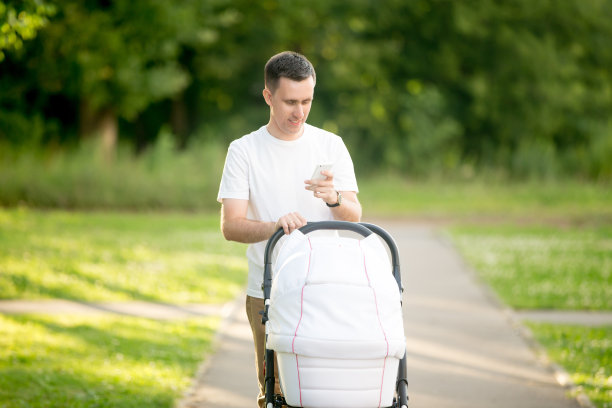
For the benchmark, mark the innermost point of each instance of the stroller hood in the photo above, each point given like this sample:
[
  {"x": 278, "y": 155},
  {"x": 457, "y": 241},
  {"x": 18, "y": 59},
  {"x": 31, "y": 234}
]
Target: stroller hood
[{"x": 335, "y": 297}]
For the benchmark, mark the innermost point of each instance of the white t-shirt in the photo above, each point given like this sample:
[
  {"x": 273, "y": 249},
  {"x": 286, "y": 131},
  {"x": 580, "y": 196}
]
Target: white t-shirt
[{"x": 270, "y": 174}]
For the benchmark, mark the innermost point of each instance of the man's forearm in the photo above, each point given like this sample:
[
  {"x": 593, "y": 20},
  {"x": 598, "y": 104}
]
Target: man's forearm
[
  {"x": 348, "y": 211},
  {"x": 247, "y": 231}
]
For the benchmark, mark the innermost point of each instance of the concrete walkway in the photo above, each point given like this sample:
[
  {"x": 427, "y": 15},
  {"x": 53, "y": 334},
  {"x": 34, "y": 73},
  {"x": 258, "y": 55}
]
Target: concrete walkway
[
  {"x": 463, "y": 349},
  {"x": 577, "y": 318},
  {"x": 167, "y": 311},
  {"x": 227, "y": 379},
  {"x": 150, "y": 310}
]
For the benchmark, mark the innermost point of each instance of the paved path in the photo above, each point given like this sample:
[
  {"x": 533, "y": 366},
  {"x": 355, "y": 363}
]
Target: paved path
[
  {"x": 462, "y": 349},
  {"x": 227, "y": 378},
  {"x": 167, "y": 311},
  {"x": 151, "y": 310},
  {"x": 578, "y": 318}
]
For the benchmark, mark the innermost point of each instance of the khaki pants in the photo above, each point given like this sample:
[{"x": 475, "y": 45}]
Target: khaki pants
[{"x": 253, "y": 307}]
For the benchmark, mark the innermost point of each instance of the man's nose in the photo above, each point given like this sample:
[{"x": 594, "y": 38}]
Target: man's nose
[{"x": 299, "y": 111}]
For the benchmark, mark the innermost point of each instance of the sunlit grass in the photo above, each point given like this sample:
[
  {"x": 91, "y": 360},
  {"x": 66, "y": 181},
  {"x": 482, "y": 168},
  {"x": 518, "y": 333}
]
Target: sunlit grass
[
  {"x": 586, "y": 353},
  {"x": 165, "y": 257},
  {"x": 109, "y": 361},
  {"x": 542, "y": 267},
  {"x": 70, "y": 361}
]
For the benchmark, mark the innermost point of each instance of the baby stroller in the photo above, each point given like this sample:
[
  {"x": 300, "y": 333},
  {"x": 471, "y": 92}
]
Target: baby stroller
[{"x": 333, "y": 317}]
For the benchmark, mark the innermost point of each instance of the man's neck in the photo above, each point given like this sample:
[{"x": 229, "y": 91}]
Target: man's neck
[{"x": 279, "y": 134}]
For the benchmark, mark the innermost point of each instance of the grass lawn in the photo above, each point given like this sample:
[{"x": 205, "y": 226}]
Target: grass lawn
[
  {"x": 76, "y": 361},
  {"x": 488, "y": 200},
  {"x": 586, "y": 353},
  {"x": 69, "y": 361},
  {"x": 161, "y": 257},
  {"x": 542, "y": 267},
  {"x": 547, "y": 267}
]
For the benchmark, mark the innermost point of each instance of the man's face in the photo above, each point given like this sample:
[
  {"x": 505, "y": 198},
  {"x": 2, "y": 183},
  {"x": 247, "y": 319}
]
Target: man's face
[{"x": 289, "y": 107}]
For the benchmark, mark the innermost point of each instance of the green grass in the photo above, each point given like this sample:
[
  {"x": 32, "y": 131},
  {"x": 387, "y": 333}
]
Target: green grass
[
  {"x": 542, "y": 267},
  {"x": 481, "y": 200},
  {"x": 109, "y": 361},
  {"x": 584, "y": 352},
  {"x": 176, "y": 258},
  {"x": 68, "y": 361}
]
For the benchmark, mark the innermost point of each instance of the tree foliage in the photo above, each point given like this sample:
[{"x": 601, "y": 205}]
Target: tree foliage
[
  {"x": 20, "y": 21},
  {"x": 423, "y": 86}
]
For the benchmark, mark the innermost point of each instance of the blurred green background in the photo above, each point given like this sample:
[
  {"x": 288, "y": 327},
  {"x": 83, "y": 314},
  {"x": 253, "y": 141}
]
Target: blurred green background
[
  {"x": 514, "y": 90},
  {"x": 489, "y": 119}
]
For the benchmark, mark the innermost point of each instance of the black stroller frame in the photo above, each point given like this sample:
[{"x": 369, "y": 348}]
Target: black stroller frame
[{"x": 273, "y": 400}]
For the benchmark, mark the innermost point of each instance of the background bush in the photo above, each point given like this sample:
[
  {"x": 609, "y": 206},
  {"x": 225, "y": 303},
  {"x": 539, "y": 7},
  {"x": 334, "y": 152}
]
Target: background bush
[
  {"x": 158, "y": 179},
  {"x": 424, "y": 87}
]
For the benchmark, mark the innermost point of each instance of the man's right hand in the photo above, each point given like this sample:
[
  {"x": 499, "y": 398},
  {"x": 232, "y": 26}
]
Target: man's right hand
[
  {"x": 236, "y": 227},
  {"x": 290, "y": 222}
]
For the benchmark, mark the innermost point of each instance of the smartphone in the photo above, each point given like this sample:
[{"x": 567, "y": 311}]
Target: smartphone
[{"x": 316, "y": 174}]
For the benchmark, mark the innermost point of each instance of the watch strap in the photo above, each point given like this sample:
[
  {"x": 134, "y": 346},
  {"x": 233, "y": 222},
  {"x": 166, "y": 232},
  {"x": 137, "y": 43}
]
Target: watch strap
[{"x": 338, "y": 202}]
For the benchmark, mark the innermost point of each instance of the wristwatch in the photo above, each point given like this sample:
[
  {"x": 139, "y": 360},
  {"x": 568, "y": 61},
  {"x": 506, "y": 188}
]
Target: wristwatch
[{"x": 338, "y": 202}]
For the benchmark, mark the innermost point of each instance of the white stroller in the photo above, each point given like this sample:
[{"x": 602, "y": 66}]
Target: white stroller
[{"x": 333, "y": 316}]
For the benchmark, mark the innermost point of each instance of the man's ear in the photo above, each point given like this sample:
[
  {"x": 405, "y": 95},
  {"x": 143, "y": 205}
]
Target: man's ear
[{"x": 267, "y": 96}]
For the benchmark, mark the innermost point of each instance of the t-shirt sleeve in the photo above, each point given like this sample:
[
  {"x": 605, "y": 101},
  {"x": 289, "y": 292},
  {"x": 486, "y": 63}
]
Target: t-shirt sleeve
[
  {"x": 344, "y": 172},
  {"x": 235, "y": 178}
]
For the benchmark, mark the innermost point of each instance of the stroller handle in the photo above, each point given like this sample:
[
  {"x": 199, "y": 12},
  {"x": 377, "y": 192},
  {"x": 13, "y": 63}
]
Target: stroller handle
[{"x": 361, "y": 228}]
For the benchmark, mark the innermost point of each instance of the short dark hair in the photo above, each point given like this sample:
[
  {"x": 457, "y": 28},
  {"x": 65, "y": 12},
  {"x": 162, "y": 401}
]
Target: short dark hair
[{"x": 287, "y": 64}]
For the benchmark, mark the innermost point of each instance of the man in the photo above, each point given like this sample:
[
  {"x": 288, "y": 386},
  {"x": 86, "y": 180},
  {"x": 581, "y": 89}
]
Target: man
[{"x": 265, "y": 183}]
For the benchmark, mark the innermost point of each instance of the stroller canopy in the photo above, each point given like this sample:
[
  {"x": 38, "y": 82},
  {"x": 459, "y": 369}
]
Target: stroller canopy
[{"x": 335, "y": 297}]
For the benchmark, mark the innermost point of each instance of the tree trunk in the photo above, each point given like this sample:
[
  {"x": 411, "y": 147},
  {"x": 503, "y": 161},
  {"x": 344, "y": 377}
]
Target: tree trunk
[
  {"x": 179, "y": 121},
  {"x": 109, "y": 129},
  {"x": 101, "y": 125}
]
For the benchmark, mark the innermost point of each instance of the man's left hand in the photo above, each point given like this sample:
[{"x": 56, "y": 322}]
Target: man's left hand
[{"x": 323, "y": 189}]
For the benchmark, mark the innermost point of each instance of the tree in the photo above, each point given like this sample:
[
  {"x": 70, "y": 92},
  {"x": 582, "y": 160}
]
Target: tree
[
  {"x": 112, "y": 59},
  {"x": 21, "y": 24},
  {"x": 413, "y": 86}
]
